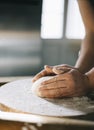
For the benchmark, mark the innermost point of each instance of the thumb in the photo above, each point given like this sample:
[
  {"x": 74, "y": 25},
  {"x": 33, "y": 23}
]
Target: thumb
[
  {"x": 48, "y": 68},
  {"x": 60, "y": 70}
]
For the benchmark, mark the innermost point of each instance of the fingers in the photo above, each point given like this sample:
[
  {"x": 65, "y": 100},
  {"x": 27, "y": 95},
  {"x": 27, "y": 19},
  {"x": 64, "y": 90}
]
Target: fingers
[
  {"x": 56, "y": 78},
  {"x": 53, "y": 85},
  {"x": 39, "y": 75},
  {"x": 53, "y": 70},
  {"x": 51, "y": 80},
  {"x": 46, "y": 72},
  {"x": 54, "y": 91},
  {"x": 60, "y": 70},
  {"x": 48, "y": 68},
  {"x": 49, "y": 93}
]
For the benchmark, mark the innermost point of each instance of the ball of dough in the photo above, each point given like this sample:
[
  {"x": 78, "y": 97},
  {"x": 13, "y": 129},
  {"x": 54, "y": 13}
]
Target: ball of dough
[{"x": 36, "y": 85}]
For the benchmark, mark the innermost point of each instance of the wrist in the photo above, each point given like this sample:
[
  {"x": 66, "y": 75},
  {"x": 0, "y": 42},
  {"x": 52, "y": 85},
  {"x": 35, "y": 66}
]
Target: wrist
[
  {"x": 80, "y": 70},
  {"x": 90, "y": 76}
]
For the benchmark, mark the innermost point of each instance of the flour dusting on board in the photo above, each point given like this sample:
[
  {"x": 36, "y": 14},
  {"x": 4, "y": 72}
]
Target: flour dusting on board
[
  {"x": 18, "y": 95},
  {"x": 77, "y": 103}
]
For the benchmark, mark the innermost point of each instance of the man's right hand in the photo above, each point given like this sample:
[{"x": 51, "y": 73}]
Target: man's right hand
[{"x": 53, "y": 70}]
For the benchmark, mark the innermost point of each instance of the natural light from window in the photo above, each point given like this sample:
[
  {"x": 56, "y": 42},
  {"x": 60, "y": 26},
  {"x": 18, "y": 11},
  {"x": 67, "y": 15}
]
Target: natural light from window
[
  {"x": 52, "y": 19},
  {"x": 75, "y": 28}
]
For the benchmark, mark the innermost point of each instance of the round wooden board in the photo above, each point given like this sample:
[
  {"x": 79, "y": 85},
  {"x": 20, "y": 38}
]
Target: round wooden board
[{"x": 18, "y": 96}]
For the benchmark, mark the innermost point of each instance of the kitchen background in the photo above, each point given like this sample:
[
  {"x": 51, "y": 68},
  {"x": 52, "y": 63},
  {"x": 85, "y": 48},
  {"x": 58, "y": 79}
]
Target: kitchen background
[{"x": 38, "y": 32}]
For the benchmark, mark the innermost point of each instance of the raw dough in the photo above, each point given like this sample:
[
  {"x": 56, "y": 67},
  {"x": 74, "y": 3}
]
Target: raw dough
[{"x": 36, "y": 85}]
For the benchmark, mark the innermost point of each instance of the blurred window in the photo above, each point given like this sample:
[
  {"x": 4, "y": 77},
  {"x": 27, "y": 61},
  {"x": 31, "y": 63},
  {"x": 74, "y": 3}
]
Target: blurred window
[
  {"x": 52, "y": 19},
  {"x": 74, "y": 26},
  {"x": 20, "y": 43},
  {"x": 58, "y": 21}
]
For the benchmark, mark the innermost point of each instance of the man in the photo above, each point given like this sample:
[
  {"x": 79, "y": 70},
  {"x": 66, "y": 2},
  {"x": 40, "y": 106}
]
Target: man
[{"x": 71, "y": 81}]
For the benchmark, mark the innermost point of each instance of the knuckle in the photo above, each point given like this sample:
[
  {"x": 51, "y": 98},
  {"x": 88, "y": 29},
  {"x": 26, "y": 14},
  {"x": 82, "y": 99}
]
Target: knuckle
[{"x": 64, "y": 65}]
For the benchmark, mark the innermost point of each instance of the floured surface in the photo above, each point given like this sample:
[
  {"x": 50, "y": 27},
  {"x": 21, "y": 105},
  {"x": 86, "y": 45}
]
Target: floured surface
[{"x": 18, "y": 95}]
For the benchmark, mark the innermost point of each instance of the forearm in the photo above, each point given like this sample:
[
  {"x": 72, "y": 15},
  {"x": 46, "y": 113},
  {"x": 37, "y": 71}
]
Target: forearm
[
  {"x": 87, "y": 13},
  {"x": 90, "y": 75},
  {"x": 85, "y": 60}
]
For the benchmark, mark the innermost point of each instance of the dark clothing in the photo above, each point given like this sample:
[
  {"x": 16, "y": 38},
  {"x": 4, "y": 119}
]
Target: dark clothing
[{"x": 92, "y": 3}]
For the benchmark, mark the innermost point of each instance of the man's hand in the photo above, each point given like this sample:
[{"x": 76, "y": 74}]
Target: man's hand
[
  {"x": 47, "y": 71},
  {"x": 70, "y": 84},
  {"x": 53, "y": 70}
]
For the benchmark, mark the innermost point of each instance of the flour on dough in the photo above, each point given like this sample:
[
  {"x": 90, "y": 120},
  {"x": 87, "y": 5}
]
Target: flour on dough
[{"x": 36, "y": 85}]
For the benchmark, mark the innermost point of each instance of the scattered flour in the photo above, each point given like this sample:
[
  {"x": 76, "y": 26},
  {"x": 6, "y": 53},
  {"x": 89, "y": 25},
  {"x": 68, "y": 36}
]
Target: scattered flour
[
  {"x": 18, "y": 95},
  {"x": 78, "y": 103}
]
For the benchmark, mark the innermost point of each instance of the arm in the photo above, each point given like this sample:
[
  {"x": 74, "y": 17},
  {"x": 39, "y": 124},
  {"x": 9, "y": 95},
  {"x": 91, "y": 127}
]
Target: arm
[
  {"x": 90, "y": 75},
  {"x": 85, "y": 61}
]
